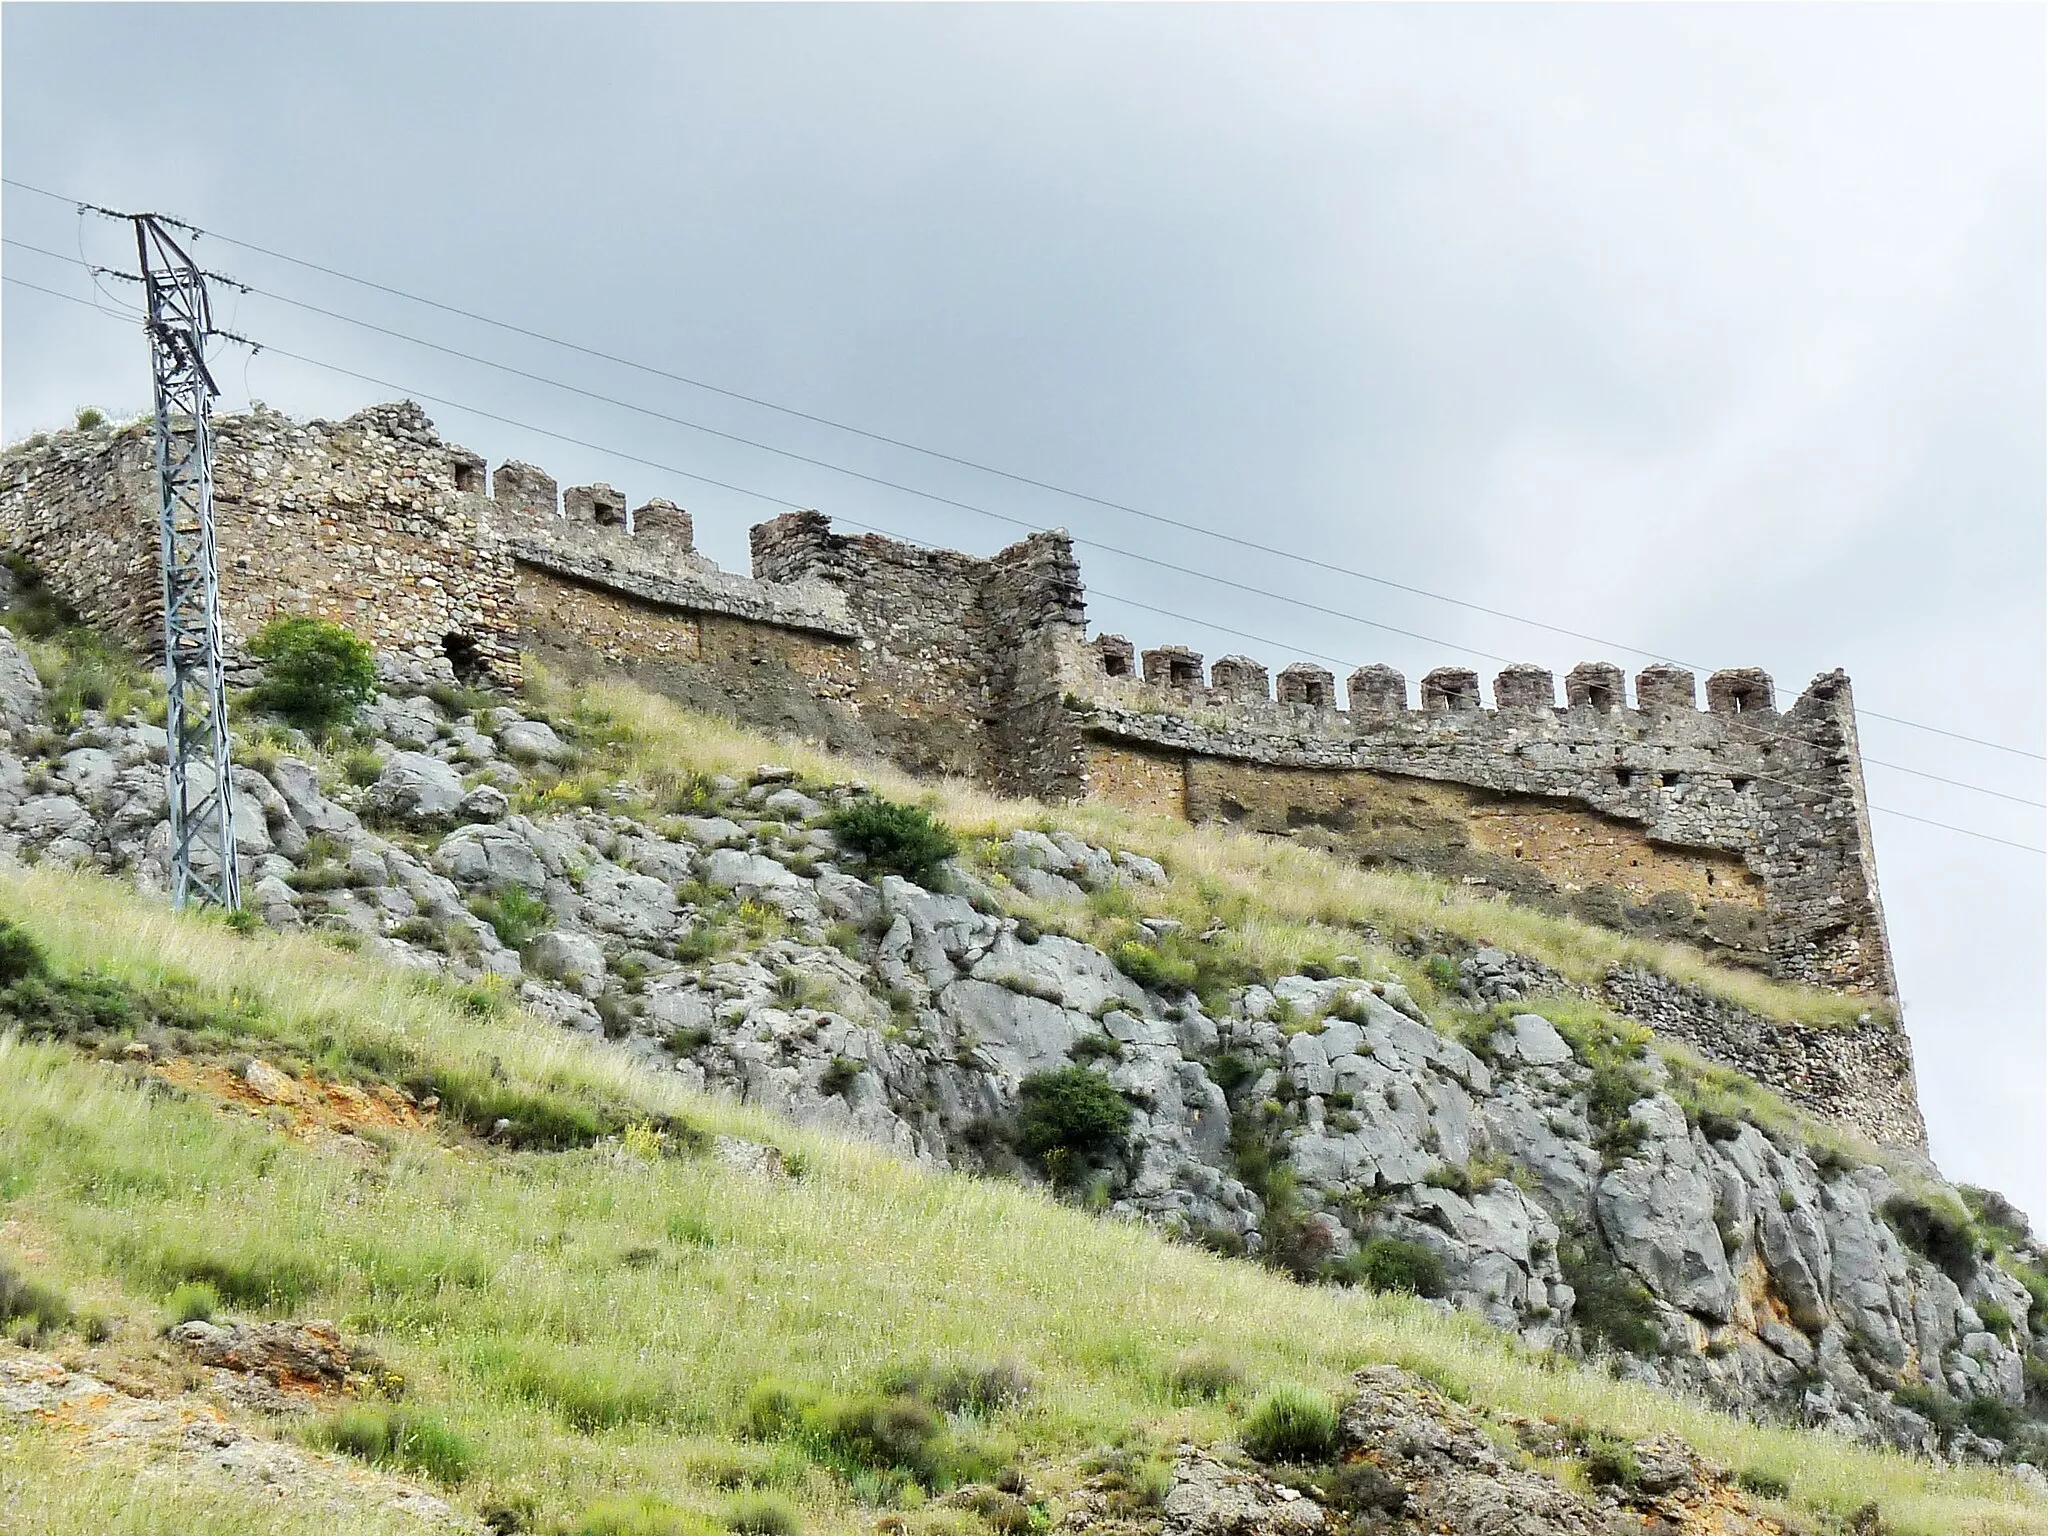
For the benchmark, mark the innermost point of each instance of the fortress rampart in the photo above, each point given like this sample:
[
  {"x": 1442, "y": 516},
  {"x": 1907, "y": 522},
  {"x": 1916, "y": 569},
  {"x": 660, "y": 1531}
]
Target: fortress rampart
[{"x": 1739, "y": 827}]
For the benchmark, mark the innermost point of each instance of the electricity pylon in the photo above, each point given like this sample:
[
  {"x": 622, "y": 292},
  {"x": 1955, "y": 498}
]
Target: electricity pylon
[{"x": 179, "y": 321}]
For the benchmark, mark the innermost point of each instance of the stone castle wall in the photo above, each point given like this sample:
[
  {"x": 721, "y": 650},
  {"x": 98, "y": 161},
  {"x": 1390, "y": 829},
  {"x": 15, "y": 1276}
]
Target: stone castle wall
[
  {"x": 366, "y": 522},
  {"x": 1740, "y": 827}
]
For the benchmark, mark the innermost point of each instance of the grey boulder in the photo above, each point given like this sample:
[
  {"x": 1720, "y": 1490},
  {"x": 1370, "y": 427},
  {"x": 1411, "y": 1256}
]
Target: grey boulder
[{"x": 416, "y": 788}]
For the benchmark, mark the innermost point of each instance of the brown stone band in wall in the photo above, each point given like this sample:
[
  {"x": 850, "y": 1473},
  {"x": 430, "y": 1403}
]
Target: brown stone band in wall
[{"x": 1736, "y": 817}]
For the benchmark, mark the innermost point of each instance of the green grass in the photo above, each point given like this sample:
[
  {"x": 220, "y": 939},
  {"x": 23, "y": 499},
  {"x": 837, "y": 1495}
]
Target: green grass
[
  {"x": 590, "y": 1324},
  {"x": 1284, "y": 906}
]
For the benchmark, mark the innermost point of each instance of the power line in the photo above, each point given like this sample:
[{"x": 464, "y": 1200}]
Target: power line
[
  {"x": 890, "y": 533},
  {"x": 945, "y": 500},
  {"x": 1020, "y": 479},
  {"x": 909, "y": 490},
  {"x": 949, "y": 501}
]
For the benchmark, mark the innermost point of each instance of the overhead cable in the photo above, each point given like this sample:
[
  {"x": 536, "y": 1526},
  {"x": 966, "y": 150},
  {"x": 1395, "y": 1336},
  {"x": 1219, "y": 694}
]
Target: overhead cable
[
  {"x": 873, "y": 528},
  {"x": 937, "y": 454}
]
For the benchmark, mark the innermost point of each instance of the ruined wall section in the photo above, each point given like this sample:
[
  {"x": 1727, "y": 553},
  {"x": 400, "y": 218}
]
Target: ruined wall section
[
  {"x": 963, "y": 660},
  {"x": 361, "y": 521},
  {"x": 80, "y": 507}
]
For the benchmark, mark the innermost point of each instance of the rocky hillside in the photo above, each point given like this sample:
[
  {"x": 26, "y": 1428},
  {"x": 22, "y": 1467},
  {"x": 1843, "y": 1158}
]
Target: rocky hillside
[{"x": 1372, "y": 1100}]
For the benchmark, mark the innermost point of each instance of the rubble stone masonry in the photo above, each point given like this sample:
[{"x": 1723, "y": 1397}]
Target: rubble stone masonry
[{"x": 1738, "y": 827}]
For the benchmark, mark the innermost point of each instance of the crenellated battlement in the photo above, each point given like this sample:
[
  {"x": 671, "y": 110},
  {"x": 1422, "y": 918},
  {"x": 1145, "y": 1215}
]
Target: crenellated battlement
[
  {"x": 1174, "y": 675},
  {"x": 1647, "y": 804}
]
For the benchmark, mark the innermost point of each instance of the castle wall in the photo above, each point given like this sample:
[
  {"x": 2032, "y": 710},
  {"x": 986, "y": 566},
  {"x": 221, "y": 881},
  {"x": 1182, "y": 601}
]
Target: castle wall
[
  {"x": 963, "y": 660},
  {"x": 359, "y": 521},
  {"x": 1738, "y": 828},
  {"x": 1548, "y": 852}
]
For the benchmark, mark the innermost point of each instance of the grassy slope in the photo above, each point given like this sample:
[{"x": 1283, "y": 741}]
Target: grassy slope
[
  {"x": 507, "y": 1287},
  {"x": 1284, "y": 903}
]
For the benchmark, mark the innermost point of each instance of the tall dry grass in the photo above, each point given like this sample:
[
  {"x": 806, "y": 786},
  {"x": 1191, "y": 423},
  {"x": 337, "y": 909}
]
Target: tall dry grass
[{"x": 591, "y": 1321}]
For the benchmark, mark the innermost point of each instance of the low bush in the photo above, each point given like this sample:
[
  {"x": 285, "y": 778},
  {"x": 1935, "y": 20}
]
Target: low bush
[
  {"x": 1991, "y": 1418},
  {"x": 1614, "y": 1308},
  {"x": 315, "y": 673},
  {"x": 1942, "y": 1235},
  {"x": 515, "y": 914},
  {"x": 19, "y": 957},
  {"x": 1933, "y": 1405},
  {"x": 399, "y": 1437},
  {"x": 890, "y": 838},
  {"x": 193, "y": 1302},
  {"x": 1361, "y": 1489},
  {"x": 1611, "y": 1462},
  {"x": 2036, "y": 1370},
  {"x": 28, "y": 1307},
  {"x": 839, "y": 1075},
  {"x": 1386, "y": 1263},
  {"x": 761, "y": 1514},
  {"x": 1290, "y": 1423},
  {"x": 891, "y": 1434},
  {"x": 1155, "y": 969},
  {"x": 976, "y": 1387},
  {"x": 1069, "y": 1117},
  {"x": 1203, "y": 1377},
  {"x": 1994, "y": 1317},
  {"x": 1995, "y": 1214},
  {"x": 1765, "y": 1485},
  {"x": 639, "y": 1515}
]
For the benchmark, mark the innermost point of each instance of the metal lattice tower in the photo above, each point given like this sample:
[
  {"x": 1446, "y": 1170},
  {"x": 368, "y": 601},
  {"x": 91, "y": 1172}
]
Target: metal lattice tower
[{"x": 201, "y": 809}]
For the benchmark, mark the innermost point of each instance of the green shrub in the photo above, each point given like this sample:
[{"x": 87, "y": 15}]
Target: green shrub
[
  {"x": 1994, "y": 1317},
  {"x": 1613, "y": 1307},
  {"x": 315, "y": 673},
  {"x": 1765, "y": 1485},
  {"x": 839, "y": 1075},
  {"x": 761, "y": 1514},
  {"x": 1451, "y": 1176},
  {"x": 2037, "y": 1382},
  {"x": 639, "y": 1515},
  {"x": 893, "y": 1434},
  {"x": 2037, "y": 1295},
  {"x": 362, "y": 766},
  {"x": 1933, "y": 1405},
  {"x": 195, "y": 1301},
  {"x": 19, "y": 956},
  {"x": 1230, "y": 1071},
  {"x": 1290, "y": 1423},
  {"x": 1154, "y": 969},
  {"x": 83, "y": 671},
  {"x": 88, "y": 417},
  {"x": 894, "y": 839},
  {"x": 515, "y": 914},
  {"x": 980, "y": 1388},
  {"x": 400, "y": 1437},
  {"x": 1067, "y": 1117},
  {"x": 37, "y": 1308},
  {"x": 1991, "y": 1418},
  {"x": 1943, "y": 1236},
  {"x": 1442, "y": 972},
  {"x": 1096, "y": 1048},
  {"x": 1612, "y": 1091},
  {"x": 1392, "y": 1264},
  {"x": 1202, "y": 1377},
  {"x": 1611, "y": 1462}
]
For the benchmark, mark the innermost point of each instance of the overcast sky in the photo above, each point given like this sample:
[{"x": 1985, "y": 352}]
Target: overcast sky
[{"x": 1718, "y": 332}]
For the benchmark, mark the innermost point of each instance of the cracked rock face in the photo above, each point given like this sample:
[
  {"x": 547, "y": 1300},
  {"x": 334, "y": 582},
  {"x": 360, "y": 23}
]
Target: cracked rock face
[{"x": 912, "y": 1017}]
